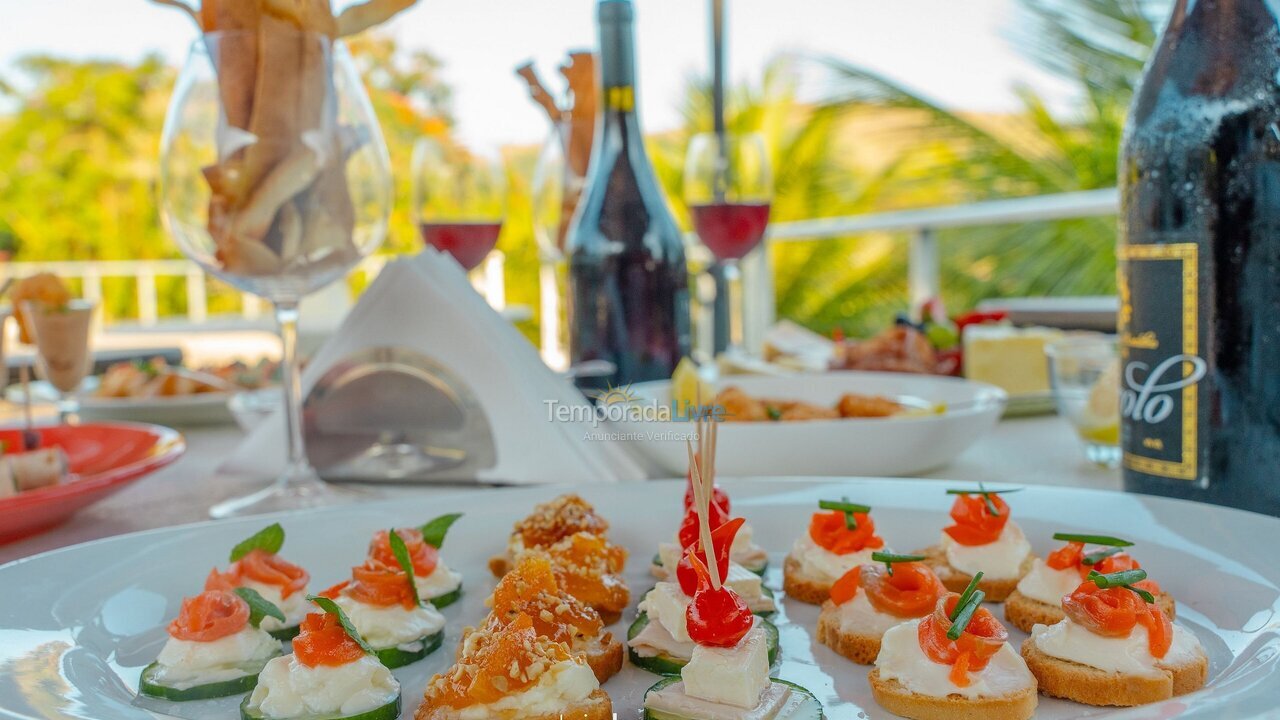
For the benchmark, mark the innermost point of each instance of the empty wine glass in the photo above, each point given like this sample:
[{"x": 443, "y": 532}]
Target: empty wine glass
[
  {"x": 728, "y": 187},
  {"x": 275, "y": 178},
  {"x": 459, "y": 199}
]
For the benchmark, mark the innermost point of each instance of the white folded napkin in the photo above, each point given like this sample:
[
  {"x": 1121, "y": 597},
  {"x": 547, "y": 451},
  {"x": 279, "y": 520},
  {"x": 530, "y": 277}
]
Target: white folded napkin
[{"x": 425, "y": 303}]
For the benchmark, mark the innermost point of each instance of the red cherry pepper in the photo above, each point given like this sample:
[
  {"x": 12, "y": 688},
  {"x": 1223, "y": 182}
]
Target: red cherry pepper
[
  {"x": 715, "y": 618},
  {"x": 689, "y": 528},
  {"x": 718, "y": 496},
  {"x": 721, "y": 542}
]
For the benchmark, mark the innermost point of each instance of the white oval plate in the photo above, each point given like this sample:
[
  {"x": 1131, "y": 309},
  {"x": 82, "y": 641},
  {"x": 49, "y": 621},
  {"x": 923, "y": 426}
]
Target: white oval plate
[
  {"x": 78, "y": 625},
  {"x": 848, "y": 446},
  {"x": 180, "y": 410}
]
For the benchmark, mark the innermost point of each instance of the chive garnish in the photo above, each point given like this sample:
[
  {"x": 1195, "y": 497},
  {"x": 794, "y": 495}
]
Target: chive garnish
[
  {"x": 1092, "y": 539},
  {"x": 968, "y": 593},
  {"x": 1098, "y": 556},
  {"x": 401, "y": 551},
  {"x": 890, "y": 558},
  {"x": 1124, "y": 579},
  {"x": 846, "y": 507},
  {"x": 965, "y": 614},
  {"x": 985, "y": 494},
  {"x": 334, "y": 609},
  {"x": 259, "y": 607}
]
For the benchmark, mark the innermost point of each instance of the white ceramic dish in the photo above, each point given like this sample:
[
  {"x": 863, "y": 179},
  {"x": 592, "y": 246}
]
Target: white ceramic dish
[
  {"x": 178, "y": 410},
  {"x": 77, "y": 625},
  {"x": 872, "y": 446}
]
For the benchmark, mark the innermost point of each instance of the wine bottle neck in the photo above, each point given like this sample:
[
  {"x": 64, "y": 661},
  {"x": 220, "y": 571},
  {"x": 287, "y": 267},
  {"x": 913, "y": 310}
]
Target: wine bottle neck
[{"x": 617, "y": 54}]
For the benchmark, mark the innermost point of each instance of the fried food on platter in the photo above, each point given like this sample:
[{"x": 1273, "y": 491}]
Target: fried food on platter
[
  {"x": 739, "y": 406},
  {"x": 281, "y": 202},
  {"x": 899, "y": 349}
]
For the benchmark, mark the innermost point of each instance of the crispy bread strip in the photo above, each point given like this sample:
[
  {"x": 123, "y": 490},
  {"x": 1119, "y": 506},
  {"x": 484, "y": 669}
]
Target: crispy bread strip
[
  {"x": 897, "y": 699},
  {"x": 861, "y": 648},
  {"x": 1091, "y": 686}
]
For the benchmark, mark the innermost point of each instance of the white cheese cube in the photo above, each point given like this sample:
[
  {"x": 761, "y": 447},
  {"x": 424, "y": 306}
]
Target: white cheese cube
[
  {"x": 666, "y": 605},
  {"x": 734, "y": 676},
  {"x": 744, "y": 582}
]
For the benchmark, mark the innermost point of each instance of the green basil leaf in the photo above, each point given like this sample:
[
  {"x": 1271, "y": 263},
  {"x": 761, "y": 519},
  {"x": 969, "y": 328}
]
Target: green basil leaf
[
  {"x": 401, "y": 551},
  {"x": 259, "y": 607},
  {"x": 433, "y": 532},
  {"x": 269, "y": 538},
  {"x": 332, "y": 608}
]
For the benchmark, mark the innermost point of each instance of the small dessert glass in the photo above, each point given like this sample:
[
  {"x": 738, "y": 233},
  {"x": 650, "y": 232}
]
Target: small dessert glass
[
  {"x": 1085, "y": 373},
  {"x": 62, "y": 347}
]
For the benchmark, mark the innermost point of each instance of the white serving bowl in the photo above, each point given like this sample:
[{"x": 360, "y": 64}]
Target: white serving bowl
[{"x": 847, "y": 446}]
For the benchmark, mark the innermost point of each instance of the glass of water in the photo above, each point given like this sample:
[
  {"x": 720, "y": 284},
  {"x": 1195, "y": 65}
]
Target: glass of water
[{"x": 1085, "y": 373}]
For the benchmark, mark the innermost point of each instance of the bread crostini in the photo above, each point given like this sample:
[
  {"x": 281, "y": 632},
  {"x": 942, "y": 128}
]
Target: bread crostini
[
  {"x": 1114, "y": 646},
  {"x": 1038, "y": 598},
  {"x": 982, "y": 539},
  {"x": 955, "y": 662},
  {"x": 840, "y": 537},
  {"x": 870, "y": 599}
]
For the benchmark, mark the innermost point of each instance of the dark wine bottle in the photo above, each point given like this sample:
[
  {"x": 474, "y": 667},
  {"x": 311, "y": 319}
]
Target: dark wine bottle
[
  {"x": 1199, "y": 260},
  {"x": 628, "y": 283}
]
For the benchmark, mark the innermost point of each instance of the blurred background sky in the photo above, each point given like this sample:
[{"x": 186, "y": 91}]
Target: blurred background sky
[{"x": 957, "y": 52}]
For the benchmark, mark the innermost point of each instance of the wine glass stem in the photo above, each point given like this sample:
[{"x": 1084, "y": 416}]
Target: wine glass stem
[
  {"x": 734, "y": 299},
  {"x": 287, "y": 318}
]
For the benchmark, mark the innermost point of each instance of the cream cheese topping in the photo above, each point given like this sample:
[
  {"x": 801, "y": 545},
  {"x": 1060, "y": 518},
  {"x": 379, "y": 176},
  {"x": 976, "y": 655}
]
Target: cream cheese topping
[
  {"x": 563, "y": 684},
  {"x": 1047, "y": 584},
  {"x": 184, "y": 664},
  {"x": 859, "y": 616},
  {"x": 288, "y": 689},
  {"x": 441, "y": 581},
  {"x": 902, "y": 659},
  {"x": 999, "y": 560},
  {"x": 824, "y": 564},
  {"x": 1128, "y": 655},
  {"x": 393, "y": 626},
  {"x": 295, "y": 607}
]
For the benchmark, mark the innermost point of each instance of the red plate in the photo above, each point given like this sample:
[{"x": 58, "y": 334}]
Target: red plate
[{"x": 103, "y": 458}]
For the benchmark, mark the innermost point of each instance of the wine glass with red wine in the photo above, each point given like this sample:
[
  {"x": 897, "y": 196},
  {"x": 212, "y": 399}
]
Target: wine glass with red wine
[
  {"x": 728, "y": 187},
  {"x": 459, "y": 197}
]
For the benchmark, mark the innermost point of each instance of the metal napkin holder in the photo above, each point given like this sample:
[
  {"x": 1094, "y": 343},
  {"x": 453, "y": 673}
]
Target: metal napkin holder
[{"x": 392, "y": 414}]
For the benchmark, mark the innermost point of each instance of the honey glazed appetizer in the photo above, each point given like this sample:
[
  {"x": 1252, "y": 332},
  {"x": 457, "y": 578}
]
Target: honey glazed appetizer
[
  {"x": 1114, "y": 646},
  {"x": 1038, "y": 599},
  {"x": 332, "y": 674},
  {"x": 531, "y": 589},
  {"x": 256, "y": 563},
  {"x": 383, "y": 603},
  {"x": 983, "y": 539},
  {"x": 728, "y": 673},
  {"x": 870, "y": 599},
  {"x": 586, "y": 564},
  {"x": 840, "y": 537},
  {"x": 510, "y": 672},
  {"x": 955, "y": 662}
]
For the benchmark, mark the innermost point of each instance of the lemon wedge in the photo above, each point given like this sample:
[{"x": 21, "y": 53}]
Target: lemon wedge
[{"x": 688, "y": 388}]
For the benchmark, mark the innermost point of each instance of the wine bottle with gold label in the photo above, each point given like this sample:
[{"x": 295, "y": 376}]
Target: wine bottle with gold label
[{"x": 1199, "y": 260}]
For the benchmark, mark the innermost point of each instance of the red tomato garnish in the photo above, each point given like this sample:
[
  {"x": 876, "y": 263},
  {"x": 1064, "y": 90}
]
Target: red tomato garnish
[
  {"x": 981, "y": 639},
  {"x": 1067, "y": 556},
  {"x": 689, "y": 532},
  {"x": 718, "y": 496},
  {"x": 829, "y": 531},
  {"x": 262, "y": 567},
  {"x": 425, "y": 557},
  {"x": 322, "y": 641},
  {"x": 380, "y": 585},
  {"x": 845, "y": 588},
  {"x": 211, "y": 615},
  {"x": 721, "y": 542},
  {"x": 975, "y": 525},
  {"x": 716, "y": 618},
  {"x": 910, "y": 592}
]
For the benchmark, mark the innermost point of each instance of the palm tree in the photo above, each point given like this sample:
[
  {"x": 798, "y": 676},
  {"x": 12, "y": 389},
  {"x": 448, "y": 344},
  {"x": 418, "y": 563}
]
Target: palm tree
[{"x": 956, "y": 157}]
